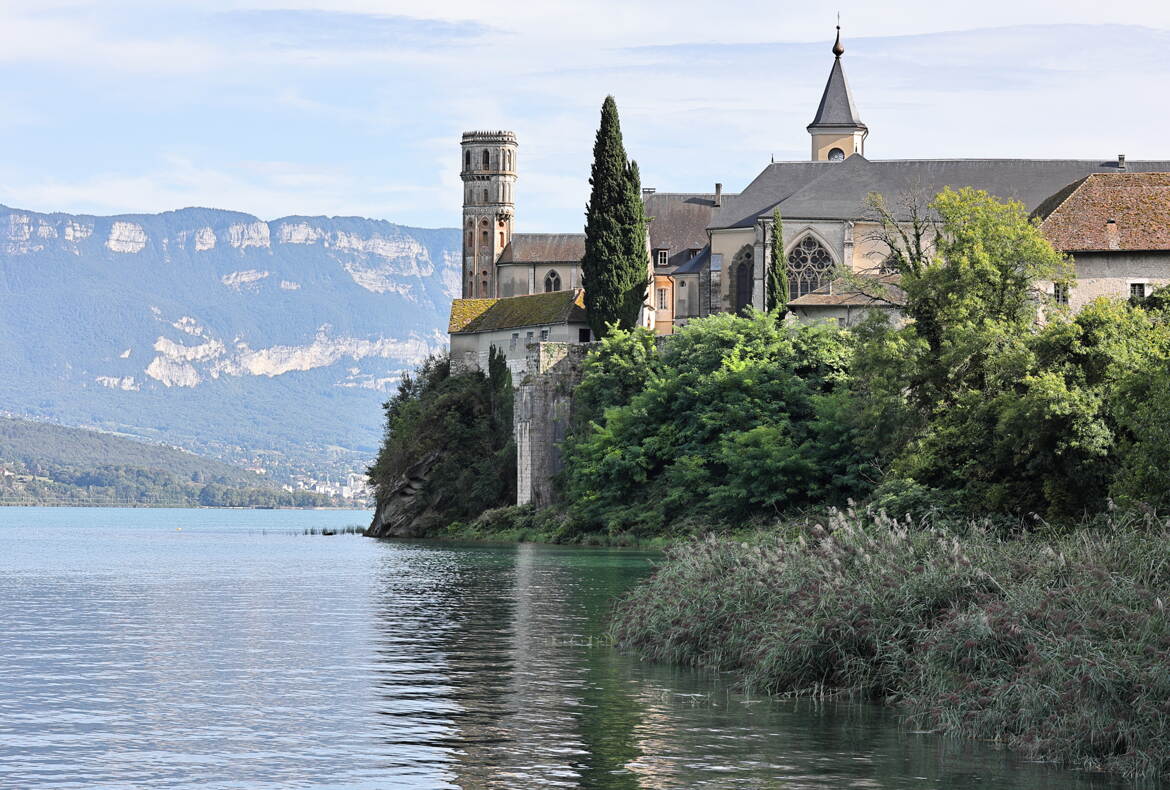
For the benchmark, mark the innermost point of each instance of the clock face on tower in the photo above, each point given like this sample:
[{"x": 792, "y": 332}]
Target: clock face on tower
[{"x": 836, "y": 155}]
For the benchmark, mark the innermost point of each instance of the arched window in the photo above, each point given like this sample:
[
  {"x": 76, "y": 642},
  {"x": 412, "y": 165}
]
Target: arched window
[
  {"x": 485, "y": 197},
  {"x": 742, "y": 271},
  {"x": 467, "y": 160},
  {"x": 486, "y": 160},
  {"x": 552, "y": 282},
  {"x": 836, "y": 155},
  {"x": 501, "y": 238},
  {"x": 809, "y": 267},
  {"x": 484, "y": 292}
]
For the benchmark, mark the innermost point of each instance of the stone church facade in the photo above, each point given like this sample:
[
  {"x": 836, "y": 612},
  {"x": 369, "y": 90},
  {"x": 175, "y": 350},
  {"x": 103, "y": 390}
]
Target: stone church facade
[{"x": 709, "y": 252}]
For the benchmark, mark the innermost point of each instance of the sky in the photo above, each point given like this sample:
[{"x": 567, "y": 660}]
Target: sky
[{"x": 356, "y": 107}]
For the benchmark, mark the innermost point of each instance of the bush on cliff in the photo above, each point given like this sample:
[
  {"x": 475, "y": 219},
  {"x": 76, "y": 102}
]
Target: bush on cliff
[
  {"x": 454, "y": 431},
  {"x": 1054, "y": 647}
]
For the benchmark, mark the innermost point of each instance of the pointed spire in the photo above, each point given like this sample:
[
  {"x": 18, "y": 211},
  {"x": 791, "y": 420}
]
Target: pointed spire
[{"x": 836, "y": 108}]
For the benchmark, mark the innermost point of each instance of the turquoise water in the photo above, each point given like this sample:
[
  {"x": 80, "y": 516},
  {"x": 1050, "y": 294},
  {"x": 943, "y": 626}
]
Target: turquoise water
[{"x": 226, "y": 649}]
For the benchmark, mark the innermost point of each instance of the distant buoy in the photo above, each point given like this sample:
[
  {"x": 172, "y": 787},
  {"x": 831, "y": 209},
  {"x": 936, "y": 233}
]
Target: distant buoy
[{"x": 178, "y": 529}]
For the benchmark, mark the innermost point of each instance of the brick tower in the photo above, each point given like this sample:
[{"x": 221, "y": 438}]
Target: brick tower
[{"x": 489, "y": 177}]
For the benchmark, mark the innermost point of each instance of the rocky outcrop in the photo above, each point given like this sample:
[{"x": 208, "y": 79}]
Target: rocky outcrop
[{"x": 398, "y": 514}]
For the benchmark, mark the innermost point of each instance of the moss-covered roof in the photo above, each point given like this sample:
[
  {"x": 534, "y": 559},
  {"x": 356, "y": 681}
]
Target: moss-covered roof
[
  {"x": 464, "y": 311},
  {"x": 486, "y": 315}
]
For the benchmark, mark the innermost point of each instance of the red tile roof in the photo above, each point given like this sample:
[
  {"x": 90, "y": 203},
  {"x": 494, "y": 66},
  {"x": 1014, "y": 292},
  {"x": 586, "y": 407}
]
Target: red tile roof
[{"x": 1116, "y": 211}]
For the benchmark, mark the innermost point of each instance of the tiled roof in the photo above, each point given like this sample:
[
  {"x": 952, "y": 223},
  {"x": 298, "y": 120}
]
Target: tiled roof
[
  {"x": 464, "y": 311},
  {"x": 837, "y": 190},
  {"x": 840, "y": 293},
  {"x": 678, "y": 222},
  {"x": 1118, "y": 211},
  {"x": 486, "y": 315},
  {"x": 544, "y": 248}
]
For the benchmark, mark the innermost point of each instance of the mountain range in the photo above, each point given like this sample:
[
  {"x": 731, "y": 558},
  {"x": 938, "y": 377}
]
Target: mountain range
[{"x": 263, "y": 344}]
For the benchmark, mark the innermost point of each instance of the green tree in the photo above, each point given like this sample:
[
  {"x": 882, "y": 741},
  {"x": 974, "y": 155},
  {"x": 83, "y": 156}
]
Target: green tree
[
  {"x": 778, "y": 271},
  {"x": 458, "y": 426},
  {"x": 737, "y": 415},
  {"x": 615, "y": 268}
]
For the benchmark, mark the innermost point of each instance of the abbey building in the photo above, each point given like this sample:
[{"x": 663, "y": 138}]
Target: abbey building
[{"x": 709, "y": 252}]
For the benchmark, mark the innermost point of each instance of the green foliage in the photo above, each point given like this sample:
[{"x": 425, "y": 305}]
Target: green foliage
[
  {"x": 733, "y": 416},
  {"x": 1053, "y": 646},
  {"x": 455, "y": 430},
  {"x": 614, "y": 270},
  {"x": 777, "y": 287}
]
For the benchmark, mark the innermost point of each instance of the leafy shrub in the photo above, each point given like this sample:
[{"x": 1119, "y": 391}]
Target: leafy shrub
[{"x": 733, "y": 416}]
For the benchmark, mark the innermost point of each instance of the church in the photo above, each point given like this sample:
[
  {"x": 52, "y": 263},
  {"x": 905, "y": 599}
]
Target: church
[{"x": 709, "y": 252}]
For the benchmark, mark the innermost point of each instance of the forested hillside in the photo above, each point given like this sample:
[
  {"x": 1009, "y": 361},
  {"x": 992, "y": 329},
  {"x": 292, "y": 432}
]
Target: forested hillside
[{"x": 41, "y": 463}]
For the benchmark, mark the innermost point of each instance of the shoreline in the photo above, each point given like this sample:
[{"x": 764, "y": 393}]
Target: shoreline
[{"x": 1051, "y": 645}]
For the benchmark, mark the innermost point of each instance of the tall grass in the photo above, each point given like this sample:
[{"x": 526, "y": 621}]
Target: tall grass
[{"x": 1056, "y": 645}]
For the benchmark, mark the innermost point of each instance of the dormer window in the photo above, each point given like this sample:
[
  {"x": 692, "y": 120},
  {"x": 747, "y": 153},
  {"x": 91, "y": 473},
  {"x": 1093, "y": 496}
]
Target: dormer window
[
  {"x": 836, "y": 155},
  {"x": 661, "y": 257}
]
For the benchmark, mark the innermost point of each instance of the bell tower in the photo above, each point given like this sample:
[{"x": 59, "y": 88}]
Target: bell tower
[
  {"x": 837, "y": 131},
  {"x": 489, "y": 177}
]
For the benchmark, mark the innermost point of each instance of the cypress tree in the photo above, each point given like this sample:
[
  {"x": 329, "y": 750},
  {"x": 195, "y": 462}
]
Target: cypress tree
[
  {"x": 615, "y": 269},
  {"x": 778, "y": 271}
]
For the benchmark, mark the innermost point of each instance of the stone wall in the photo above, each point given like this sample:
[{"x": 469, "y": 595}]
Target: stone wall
[{"x": 541, "y": 416}]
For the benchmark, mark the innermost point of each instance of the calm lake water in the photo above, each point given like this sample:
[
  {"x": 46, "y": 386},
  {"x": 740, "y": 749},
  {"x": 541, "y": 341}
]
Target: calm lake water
[{"x": 226, "y": 649}]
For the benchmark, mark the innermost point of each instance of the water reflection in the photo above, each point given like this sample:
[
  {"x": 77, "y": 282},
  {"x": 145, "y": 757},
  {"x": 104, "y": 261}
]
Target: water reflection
[
  {"x": 494, "y": 676},
  {"x": 239, "y": 653}
]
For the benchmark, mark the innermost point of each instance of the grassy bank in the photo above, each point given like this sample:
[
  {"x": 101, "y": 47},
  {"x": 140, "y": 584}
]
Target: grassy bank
[
  {"x": 526, "y": 524},
  {"x": 1054, "y": 644}
]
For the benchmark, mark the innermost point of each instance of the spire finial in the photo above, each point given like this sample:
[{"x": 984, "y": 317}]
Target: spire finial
[{"x": 838, "y": 50}]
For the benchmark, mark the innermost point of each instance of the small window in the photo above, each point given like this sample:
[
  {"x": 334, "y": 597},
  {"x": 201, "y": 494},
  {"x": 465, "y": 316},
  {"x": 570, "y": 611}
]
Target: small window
[
  {"x": 583, "y": 335},
  {"x": 682, "y": 284},
  {"x": 529, "y": 335},
  {"x": 467, "y": 161},
  {"x": 486, "y": 163},
  {"x": 836, "y": 155},
  {"x": 544, "y": 334},
  {"x": 485, "y": 197},
  {"x": 661, "y": 257},
  {"x": 552, "y": 282},
  {"x": 514, "y": 341},
  {"x": 484, "y": 292},
  {"x": 661, "y": 298},
  {"x": 1060, "y": 293},
  {"x": 1137, "y": 290},
  {"x": 501, "y": 238}
]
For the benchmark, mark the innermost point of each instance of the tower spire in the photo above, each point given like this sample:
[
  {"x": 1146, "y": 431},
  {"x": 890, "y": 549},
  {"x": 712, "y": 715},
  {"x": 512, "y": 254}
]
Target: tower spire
[{"x": 837, "y": 131}]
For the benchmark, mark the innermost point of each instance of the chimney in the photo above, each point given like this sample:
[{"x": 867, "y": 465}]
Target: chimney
[
  {"x": 718, "y": 195},
  {"x": 1120, "y": 164},
  {"x": 1112, "y": 239}
]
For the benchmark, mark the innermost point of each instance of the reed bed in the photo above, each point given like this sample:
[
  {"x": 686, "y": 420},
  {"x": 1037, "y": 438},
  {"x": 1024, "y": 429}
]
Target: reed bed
[{"x": 1057, "y": 645}]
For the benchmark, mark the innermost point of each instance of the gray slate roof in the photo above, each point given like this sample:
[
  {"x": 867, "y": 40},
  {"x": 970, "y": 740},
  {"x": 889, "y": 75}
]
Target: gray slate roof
[
  {"x": 544, "y": 248},
  {"x": 678, "y": 221},
  {"x": 837, "y": 190},
  {"x": 696, "y": 264},
  {"x": 836, "y": 108}
]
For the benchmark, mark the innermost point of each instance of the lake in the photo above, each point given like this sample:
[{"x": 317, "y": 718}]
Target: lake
[{"x": 150, "y": 648}]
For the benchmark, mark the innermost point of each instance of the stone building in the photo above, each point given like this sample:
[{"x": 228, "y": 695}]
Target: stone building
[
  {"x": 512, "y": 324},
  {"x": 709, "y": 252},
  {"x": 1116, "y": 227}
]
